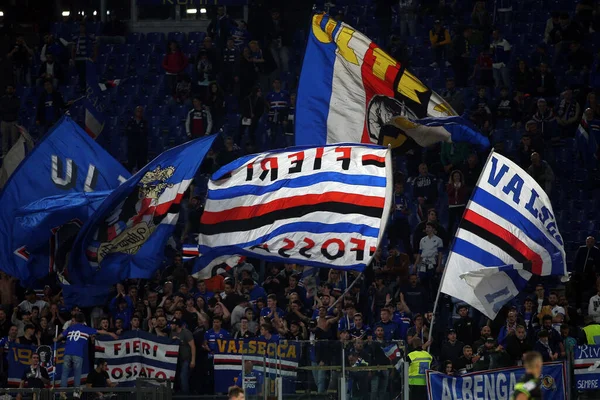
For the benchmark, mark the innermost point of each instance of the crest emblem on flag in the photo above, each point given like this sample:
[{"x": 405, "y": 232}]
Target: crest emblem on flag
[{"x": 130, "y": 225}]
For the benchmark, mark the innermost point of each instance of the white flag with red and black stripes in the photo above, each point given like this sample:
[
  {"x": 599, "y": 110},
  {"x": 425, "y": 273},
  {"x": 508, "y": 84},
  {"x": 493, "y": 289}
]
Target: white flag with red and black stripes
[
  {"x": 508, "y": 233},
  {"x": 317, "y": 206}
]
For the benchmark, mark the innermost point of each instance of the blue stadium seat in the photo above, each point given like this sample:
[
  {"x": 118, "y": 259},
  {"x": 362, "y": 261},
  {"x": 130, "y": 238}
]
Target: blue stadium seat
[
  {"x": 196, "y": 37},
  {"x": 178, "y": 37},
  {"x": 134, "y": 37},
  {"x": 155, "y": 37}
]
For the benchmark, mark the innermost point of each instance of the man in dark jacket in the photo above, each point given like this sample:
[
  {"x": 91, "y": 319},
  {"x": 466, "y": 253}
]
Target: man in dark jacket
[
  {"x": 517, "y": 345},
  {"x": 50, "y": 107},
  {"x": 137, "y": 140},
  {"x": 462, "y": 53},
  {"x": 466, "y": 329},
  {"x": 452, "y": 349},
  {"x": 9, "y": 112},
  {"x": 587, "y": 265}
]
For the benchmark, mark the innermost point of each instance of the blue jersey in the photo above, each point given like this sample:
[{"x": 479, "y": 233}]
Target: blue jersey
[
  {"x": 345, "y": 323},
  {"x": 273, "y": 339},
  {"x": 401, "y": 205},
  {"x": 77, "y": 338},
  {"x": 257, "y": 292},
  {"x": 252, "y": 383},
  {"x": 278, "y": 101},
  {"x": 266, "y": 311},
  {"x": 403, "y": 320},
  {"x": 211, "y": 337},
  {"x": 5, "y": 344},
  {"x": 389, "y": 329}
]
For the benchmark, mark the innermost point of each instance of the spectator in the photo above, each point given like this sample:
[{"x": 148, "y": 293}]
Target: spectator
[
  {"x": 20, "y": 56},
  {"x": 9, "y": 114},
  {"x": 216, "y": 103},
  {"x": 594, "y": 307},
  {"x": 199, "y": 120},
  {"x": 568, "y": 341},
  {"x": 501, "y": 49},
  {"x": 567, "y": 33},
  {"x": 186, "y": 359},
  {"x": 220, "y": 26},
  {"x": 32, "y": 301},
  {"x": 278, "y": 40},
  {"x": 491, "y": 355},
  {"x": 481, "y": 110},
  {"x": 174, "y": 63},
  {"x": 98, "y": 377},
  {"x": 471, "y": 171},
  {"x": 206, "y": 72},
  {"x": 523, "y": 77},
  {"x": 481, "y": 21},
  {"x": 552, "y": 28},
  {"x": 540, "y": 171},
  {"x": 466, "y": 361},
  {"x": 418, "y": 331},
  {"x": 546, "y": 120},
  {"x": 425, "y": 187},
  {"x": 509, "y": 328},
  {"x": 183, "y": 90},
  {"x": 261, "y": 67},
  {"x": 248, "y": 73},
  {"x": 506, "y": 108},
  {"x": 29, "y": 337},
  {"x": 586, "y": 266},
  {"x": 137, "y": 138},
  {"x": 461, "y": 49},
  {"x": 50, "y": 70},
  {"x": 34, "y": 377},
  {"x": 121, "y": 307},
  {"x": 251, "y": 381},
  {"x": 485, "y": 334},
  {"x": 542, "y": 346},
  {"x": 579, "y": 61},
  {"x": 593, "y": 104},
  {"x": 526, "y": 148},
  {"x": 466, "y": 329},
  {"x": 517, "y": 345},
  {"x": 399, "y": 229},
  {"x": 279, "y": 101},
  {"x": 440, "y": 43},
  {"x": 569, "y": 114},
  {"x": 454, "y": 96},
  {"x": 84, "y": 49},
  {"x": 50, "y": 107},
  {"x": 452, "y": 349},
  {"x": 419, "y": 232},
  {"x": 539, "y": 55},
  {"x": 453, "y": 155},
  {"x": 54, "y": 47},
  {"x": 235, "y": 393},
  {"x": 484, "y": 65},
  {"x": 240, "y": 35},
  {"x": 448, "y": 368},
  {"x": 77, "y": 336},
  {"x": 544, "y": 81},
  {"x": 554, "y": 338},
  {"x": 230, "y": 65},
  {"x": 457, "y": 199}
]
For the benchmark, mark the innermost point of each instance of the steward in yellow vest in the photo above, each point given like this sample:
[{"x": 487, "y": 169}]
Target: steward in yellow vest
[{"x": 420, "y": 361}]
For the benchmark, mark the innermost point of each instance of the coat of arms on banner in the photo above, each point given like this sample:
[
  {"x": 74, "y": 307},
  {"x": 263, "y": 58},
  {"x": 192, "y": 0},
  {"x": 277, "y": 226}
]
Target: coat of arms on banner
[{"x": 128, "y": 227}]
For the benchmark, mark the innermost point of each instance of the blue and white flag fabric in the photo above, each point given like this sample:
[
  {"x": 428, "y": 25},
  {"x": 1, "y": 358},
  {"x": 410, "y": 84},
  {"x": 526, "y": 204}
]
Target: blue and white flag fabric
[
  {"x": 508, "y": 225},
  {"x": 126, "y": 236},
  {"x": 138, "y": 354},
  {"x": 361, "y": 89},
  {"x": 94, "y": 107},
  {"x": 315, "y": 206},
  {"x": 586, "y": 367},
  {"x": 66, "y": 162},
  {"x": 395, "y": 354},
  {"x": 15, "y": 155},
  {"x": 495, "y": 384}
]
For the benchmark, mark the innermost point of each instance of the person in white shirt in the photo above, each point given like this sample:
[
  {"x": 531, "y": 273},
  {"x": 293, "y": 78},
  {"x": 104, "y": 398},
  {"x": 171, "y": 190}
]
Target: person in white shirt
[
  {"x": 429, "y": 259},
  {"x": 32, "y": 301},
  {"x": 594, "y": 308},
  {"x": 558, "y": 312}
]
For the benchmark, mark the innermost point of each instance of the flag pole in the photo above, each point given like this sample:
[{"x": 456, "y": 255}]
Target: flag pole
[
  {"x": 437, "y": 297},
  {"x": 55, "y": 357}
]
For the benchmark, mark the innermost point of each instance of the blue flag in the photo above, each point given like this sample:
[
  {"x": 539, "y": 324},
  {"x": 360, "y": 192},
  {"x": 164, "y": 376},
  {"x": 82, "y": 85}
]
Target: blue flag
[
  {"x": 94, "y": 109},
  {"x": 66, "y": 162},
  {"x": 125, "y": 237}
]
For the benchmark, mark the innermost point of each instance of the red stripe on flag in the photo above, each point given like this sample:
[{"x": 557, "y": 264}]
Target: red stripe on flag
[
  {"x": 164, "y": 207},
  {"x": 372, "y": 157},
  {"x": 247, "y": 212},
  {"x": 511, "y": 239}
]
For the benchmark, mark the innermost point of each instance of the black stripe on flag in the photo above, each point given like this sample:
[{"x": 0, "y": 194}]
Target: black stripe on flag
[
  {"x": 374, "y": 163},
  {"x": 496, "y": 241},
  {"x": 295, "y": 212}
]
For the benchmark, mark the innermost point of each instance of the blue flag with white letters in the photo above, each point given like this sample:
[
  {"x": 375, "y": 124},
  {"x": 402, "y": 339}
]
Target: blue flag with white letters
[
  {"x": 65, "y": 162},
  {"x": 126, "y": 236}
]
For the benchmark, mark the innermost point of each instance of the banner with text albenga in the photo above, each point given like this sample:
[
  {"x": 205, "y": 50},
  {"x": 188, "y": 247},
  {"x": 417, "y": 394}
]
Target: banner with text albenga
[
  {"x": 495, "y": 384},
  {"x": 276, "y": 359}
]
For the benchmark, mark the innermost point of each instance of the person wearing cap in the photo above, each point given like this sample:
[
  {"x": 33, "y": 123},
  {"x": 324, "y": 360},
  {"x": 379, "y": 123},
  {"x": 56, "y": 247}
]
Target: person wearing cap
[
  {"x": 31, "y": 300},
  {"x": 543, "y": 347},
  {"x": 440, "y": 43},
  {"x": 451, "y": 348},
  {"x": 420, "y": 361},
  {"x": 486, "y": 353},
  {"x": 466, "y": 329},
  {"x": 29, "y": 337},
  {"x": 186, "y": 360}
]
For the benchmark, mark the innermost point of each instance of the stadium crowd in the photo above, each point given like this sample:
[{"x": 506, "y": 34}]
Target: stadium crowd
[{"x": 530, "y": 115}]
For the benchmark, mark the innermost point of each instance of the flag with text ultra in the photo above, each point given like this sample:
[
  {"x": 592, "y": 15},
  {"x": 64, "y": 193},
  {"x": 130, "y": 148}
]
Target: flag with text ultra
[
  {"x": 508, "y": 232},
  {"x": 316, "y": 206},
  {"x": 350, "y": 90},
  {"x": 126, "y": 236},
  {"x": 48, "y": 194}
]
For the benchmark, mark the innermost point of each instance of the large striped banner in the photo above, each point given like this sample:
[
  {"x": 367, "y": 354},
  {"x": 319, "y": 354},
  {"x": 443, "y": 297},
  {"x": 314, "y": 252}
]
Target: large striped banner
[
  {"x": 272, "y": 359},
  {"x": 138, "y": 354},
  {"x": 316, "y": 206},
  {"x": 508, "y": 233}
]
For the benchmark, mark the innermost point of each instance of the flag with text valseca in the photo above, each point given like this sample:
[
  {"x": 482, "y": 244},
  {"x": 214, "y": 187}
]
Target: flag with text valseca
[
  {"x": 316, "y": 206},
  {"x": 138, "y": 354}
]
